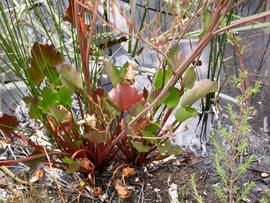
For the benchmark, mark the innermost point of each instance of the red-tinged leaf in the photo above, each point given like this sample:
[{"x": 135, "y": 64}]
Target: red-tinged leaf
[
  {"x": 69, "y": 17},
  {"x": 8, "y": 123},
  {"x": 124, "y": 95},
  {"x": 97, "y": 93},
  {"x": 145, "y": 93},
  {"x": 43, "y": 59},
  {"x": 87, "y": 165}
]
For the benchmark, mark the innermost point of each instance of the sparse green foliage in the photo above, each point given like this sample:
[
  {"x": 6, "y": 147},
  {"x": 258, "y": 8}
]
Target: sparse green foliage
[
  {"x": 196, "y": 195},
  {"x": 227, "y": 158}
]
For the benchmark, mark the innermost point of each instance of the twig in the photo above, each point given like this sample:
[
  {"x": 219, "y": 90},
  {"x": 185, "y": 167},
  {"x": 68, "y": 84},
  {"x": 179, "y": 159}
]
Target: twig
[
  {"x": 30, "y": 158},
  {"x": 244, "y": 21},
  {"x": 54, "y": 176},
  {"x": 13, "y": 176}
]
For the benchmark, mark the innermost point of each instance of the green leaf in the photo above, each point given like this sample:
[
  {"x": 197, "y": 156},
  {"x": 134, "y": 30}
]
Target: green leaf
[
  {"x": 169, "y": 148},
  {"x": 73, "y": 167},
  {"x": 97, "y": 136},
  {"x": 175, "y": 57},
  {"x": 189, "y": 77},
  {"x": 60, "y": 113},
  {"x": 175, "y": 150},
  {"x": 70, "y": 76},
  {"x": 206, "y": 22},
  {"x": 67, "y": 160},
  {"x": 113, "y": 73},
  {"x": 49, "y": 98},
  {"x": 147, "y": 134},
  {"x": 162, "y": 77},
  {"x": 184, "y": 113},
  {"x": 136, "y": 108},
  {"x": 199, "y": 90},
  {"x": 172, "y": 97},
  {"x": 140, "y": 147},
  {"x": 64, "y": 96},
  {"x": 34, "y": 110}
]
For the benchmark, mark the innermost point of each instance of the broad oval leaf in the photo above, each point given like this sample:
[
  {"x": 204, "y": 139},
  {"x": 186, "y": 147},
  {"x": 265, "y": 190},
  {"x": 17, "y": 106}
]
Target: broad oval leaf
[
  {"x": 136, "y": 108},
  {"x": 60, "y": 113},
  {"x": 199, "y": 90},
  {"x": 206, "y": 22},
  {"x": 113, "y": 74},
  {"x": 184, "y": 113},
  {"x": 189, "y": 77},
  {"x": 175, "y": 56},
  {"x": 43, "y": 59},
  {"x": 97, "y": 136},
  {"x": 162, "y": 77},
  {"x": 140, "y": 147},
  {"x": 70, "y": 76},
  {"x": 124, "y": 96},
  {"x": 172, "y": 97}
]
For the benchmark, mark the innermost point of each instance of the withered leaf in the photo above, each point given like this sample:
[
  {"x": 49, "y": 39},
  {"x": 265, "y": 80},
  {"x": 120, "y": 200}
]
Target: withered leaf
[
  {"x": 87, "y": 165},
  {"x": 128, "y": 171},
  {"x": 37, "y": 176},
  {"x": 8, "y": 123},
  {"x": 43, "y": 59},
  {"x": 70, "y": 76},
  {"x": 130, "y": 74},
  {"x": 69, "y": 17},
  {"x": 97, "y": 136},
  {"x": 97, "y": 191},
  {"x": 122, "y": 190}
]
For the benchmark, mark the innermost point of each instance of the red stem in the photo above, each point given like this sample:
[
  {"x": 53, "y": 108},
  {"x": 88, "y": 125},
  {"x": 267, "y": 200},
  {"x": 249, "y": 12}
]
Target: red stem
[{"x": 30, "y": 158}]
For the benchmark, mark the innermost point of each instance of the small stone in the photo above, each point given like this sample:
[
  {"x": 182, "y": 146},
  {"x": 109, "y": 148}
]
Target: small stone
[
  {"x": 264, "y": 175},
  {"x": 156, "y": 190},
  {"x": 176, "y": 163}
]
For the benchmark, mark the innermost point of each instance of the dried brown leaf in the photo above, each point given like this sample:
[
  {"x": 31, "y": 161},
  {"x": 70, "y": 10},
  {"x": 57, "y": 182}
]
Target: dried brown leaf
[
  {"x": 97, "y": 191},
  {"x": 122, "y": 190},
  {"x": 128, "y": 171},
  {"x": 8, "y": 123},
  {"x": 38, "y": 175}
]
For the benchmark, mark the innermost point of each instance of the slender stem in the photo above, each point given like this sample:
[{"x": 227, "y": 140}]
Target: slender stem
[
  {"x": 244, "y": 21},
  {"x": 30, "y": 158}
]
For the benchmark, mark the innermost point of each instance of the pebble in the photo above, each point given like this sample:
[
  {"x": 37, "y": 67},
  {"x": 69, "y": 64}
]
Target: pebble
[
  {"x": 264, "y": 175},
  {"x": 156, "y": 190}
]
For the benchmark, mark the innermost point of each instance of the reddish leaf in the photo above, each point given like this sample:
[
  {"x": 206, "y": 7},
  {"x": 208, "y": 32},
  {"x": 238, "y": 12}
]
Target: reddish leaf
[
  {"x": 124, "y": 95},
  {"x": 43, "y": 58},
  {"x": 69, "y": 17},
  {"x": 87, "y": 165},
  {"x": 99, "y": 92},
  {"x": 8, "y": 123}
]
